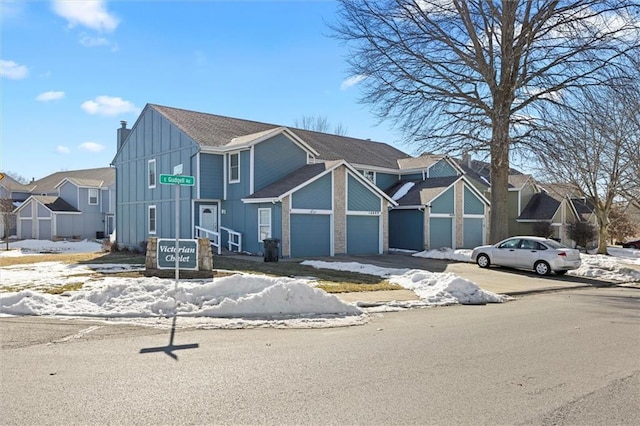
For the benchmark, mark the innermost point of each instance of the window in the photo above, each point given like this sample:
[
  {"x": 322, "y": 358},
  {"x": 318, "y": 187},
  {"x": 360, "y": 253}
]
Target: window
[
  {"x": 93, "y": 196},
  {"x": 151, "y": 173},
  {"x": 264, "y": 224},
  {"x": 152, "y": 219},
  {"x": 234, "y": 168},
  {"x": 369, "y": 175}
]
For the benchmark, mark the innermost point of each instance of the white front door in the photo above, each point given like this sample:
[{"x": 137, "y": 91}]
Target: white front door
[{"x": 209, "y": 217}]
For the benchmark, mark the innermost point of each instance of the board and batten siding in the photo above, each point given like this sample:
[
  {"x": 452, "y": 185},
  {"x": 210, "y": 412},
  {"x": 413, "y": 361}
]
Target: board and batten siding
[
  {"x": 70, "y": 193},
  {"x": 274, "y": 159},
  {"x": 152, "y": 138},
  {"x": 211, "y": 179},
  {"x": 472, "y": 204},
  {"x": 386, "y": 180},
  {"x": 444, "y": 203}
]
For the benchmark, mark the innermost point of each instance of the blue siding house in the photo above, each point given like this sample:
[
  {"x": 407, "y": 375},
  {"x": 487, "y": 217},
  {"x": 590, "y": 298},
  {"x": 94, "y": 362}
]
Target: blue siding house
[{"x": 319, "y": 194}]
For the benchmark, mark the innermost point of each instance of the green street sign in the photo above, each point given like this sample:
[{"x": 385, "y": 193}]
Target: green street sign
[
  {"x": 177, "y": 180},
  {"x": 187, "y": 254}
]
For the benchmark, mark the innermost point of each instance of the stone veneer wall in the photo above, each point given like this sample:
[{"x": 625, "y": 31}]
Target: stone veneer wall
[
  {"x": 385, "y": 225},
  {"x": 205, "y": 261},
  {"x": 286, "y": 226},
  {"x": 339, "y": 210},
  {"x": 459, "y": 212}
]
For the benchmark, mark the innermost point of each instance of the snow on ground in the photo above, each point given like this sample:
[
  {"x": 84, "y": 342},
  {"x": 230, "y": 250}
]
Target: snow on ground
[
  {"x": 236, "y": 301},
  {"x": 609, "y": 268}
]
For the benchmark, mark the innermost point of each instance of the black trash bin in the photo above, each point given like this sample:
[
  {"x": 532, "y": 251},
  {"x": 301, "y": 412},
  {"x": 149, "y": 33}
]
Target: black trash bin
[
  {"x": 99, "y": 235},
  {"x": 271, "y": 249}
]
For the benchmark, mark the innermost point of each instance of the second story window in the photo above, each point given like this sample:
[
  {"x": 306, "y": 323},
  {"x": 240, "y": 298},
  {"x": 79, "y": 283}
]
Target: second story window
[
  {"x": 93, "y": 196},
  {"x": 369, "y": 175},
  {"x": 151, "y": 172},
  {"x": 234, "y": 168}
]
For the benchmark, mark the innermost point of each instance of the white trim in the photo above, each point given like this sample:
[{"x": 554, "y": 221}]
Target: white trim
[
  {"x": 473, "y": 216},
  {"x": 311, "y": 211},
  {"x": 270, "y": 224},
  {"x": 363, "y": 213},
  {"x": 224, "y": 177},
  {"x": 251, "y": 166},
  {"x": 449, "y": 215},
  {"x": 229, "y": 170},
  {"x": 97, "y": 203},
  {"x": 155, "y": 173},
  {"x": 155, "y": 219},
  {"x": 261, "y": 200}
]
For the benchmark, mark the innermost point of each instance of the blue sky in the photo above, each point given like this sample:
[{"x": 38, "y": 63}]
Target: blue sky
[{"x": 71, "y": 70}]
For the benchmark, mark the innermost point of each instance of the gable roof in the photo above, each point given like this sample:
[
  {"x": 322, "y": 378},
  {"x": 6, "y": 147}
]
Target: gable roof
[
  {"x": 216, "y": 131},
  {"x": 99, "y": 178},
  {"x": 304, "y": 175},
  {"x": 541, "y": 207},
  {"x": 55, "y": 204},
  {"x": 12, "y": 185},
  {"x": 423, "y": 191}
]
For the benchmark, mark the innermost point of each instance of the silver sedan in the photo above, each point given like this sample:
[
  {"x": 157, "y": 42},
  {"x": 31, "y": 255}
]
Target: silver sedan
[{"x": 540, "y": 254}]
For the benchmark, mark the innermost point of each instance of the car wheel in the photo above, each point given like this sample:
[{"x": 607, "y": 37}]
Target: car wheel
[
  {"x": 483, "y": 261},
  {"x": 542, "y": 268},
  {"x": 561, "y": 272}
]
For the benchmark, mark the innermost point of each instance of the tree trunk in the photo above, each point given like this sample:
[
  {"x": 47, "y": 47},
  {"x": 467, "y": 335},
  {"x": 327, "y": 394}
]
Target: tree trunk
[
  {"x": 603, "y": 232},
  {"x": 499, "y": 219}
]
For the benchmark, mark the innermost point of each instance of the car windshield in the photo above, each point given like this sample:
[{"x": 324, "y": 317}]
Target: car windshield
[{"x": 554, "y": 244}]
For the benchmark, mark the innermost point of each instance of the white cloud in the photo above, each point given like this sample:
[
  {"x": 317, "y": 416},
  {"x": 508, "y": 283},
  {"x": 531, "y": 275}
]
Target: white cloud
[
  {"x": 109, "y": 106},
  {"x": 62, "y": 149},
  {"x": 50, "y": 96},
  {"x": 13, "y": 70},
  {"x": 352, "y": 81},
  {"x": 91, "y": 147},
  {"x": 88, "y": 13},
  {"x": 89, "y": 41}
]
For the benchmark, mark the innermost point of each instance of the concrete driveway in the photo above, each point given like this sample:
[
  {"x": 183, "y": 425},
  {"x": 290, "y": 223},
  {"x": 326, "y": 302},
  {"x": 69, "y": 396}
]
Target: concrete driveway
[{"x": 508, "y": 281}]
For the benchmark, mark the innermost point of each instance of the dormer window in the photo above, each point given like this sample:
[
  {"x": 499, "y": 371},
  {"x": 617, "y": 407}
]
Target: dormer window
[
  {"x": 234, "y": 168},
  {"x": 371, "y": 175}
]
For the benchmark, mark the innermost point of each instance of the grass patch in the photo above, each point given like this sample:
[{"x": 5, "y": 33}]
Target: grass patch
[{"x": 331, "y": 281}]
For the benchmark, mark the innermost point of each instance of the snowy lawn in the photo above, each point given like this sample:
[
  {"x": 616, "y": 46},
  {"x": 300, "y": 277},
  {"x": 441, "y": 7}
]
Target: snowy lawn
[{"x": 236, "y": 301}]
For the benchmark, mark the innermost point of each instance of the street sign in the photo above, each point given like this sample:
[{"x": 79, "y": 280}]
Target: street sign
[
  {"x": 177, "y": 180},
  {"x": 1, "y": 176},
  {"x": 187, "y": 254}
]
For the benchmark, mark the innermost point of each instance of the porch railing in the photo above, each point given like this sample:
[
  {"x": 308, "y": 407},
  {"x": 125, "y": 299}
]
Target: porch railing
[{"x": 234, "y": 240}]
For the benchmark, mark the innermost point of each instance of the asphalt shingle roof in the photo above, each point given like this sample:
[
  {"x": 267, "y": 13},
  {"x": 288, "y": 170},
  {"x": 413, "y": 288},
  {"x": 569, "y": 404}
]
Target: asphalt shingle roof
[
  {"x": 100, "y": 178},
  {"x": 542, "y": 207},
  {"x": 423, "y": 191},
  {"x": 56, "y": 204},
  {"x": 218, "y": 131},
  {"x": 287, "y": 183}
]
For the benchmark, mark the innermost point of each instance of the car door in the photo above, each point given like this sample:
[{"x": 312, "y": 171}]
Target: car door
[
  {"x": 506, "y": 253},
  {"x": 527, "y": 253}
]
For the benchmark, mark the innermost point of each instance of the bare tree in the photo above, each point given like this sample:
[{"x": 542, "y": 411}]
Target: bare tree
[
  {"x": 458, "y": 75},
  {"x": 319, "y": 124},
  {"x": 586, "y": 145},
  {"x": 7, "y": 218}
]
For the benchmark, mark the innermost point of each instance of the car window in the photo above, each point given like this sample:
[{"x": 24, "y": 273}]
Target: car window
[
  {"x": 540, "y": 246},
  {"x": 510, "y": 243},
  {"x": 528, "y": 245},
  {"x": 554, "y": 244}
]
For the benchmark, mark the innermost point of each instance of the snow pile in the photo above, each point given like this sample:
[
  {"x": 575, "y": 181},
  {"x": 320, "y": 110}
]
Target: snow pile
[
  {"x": 608, "y": 268},
  {"x": 445, "y": 288},
  {"x": 355, "y": 267},
  {"x": 432, "y": 288},
  {"x": 460, "y": 255},
  {"x": 234, "y": 296},
  {"x": 28, "y": 247}
]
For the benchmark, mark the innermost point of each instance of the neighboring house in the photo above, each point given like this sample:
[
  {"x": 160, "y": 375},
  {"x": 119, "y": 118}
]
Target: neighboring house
[
  {"x": 319, "y": 194},
  {"x": 15, "y": 193},
  {"x": 531, "y": 204},
  {"x": 69, "y": 204}
]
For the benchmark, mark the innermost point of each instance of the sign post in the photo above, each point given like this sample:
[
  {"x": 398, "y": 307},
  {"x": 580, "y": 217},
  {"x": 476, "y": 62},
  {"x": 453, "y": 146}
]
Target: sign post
[{"x": 177, "y": 180}]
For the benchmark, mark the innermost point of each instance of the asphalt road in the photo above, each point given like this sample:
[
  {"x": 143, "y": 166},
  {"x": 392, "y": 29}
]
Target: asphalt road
[{"x": 569, "y": 357}]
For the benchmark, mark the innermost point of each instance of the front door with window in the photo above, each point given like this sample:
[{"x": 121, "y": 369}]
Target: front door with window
[{"x": 209, "y": 217}]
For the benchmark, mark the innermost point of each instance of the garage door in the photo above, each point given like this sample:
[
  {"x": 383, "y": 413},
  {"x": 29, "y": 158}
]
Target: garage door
[
  {"x": 473, "y": 230},
  {"x": 406, "y": 229},
  {"x": 363, "y": 234},
  {"x": 44, "y": 229},
  {"x": 310, "y": 235},
  {"x": 440, "y": 232}
]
